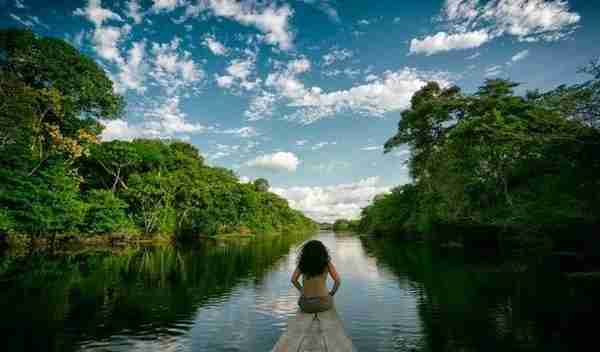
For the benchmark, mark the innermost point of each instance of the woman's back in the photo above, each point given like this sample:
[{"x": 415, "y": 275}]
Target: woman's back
[{"x": 315, "y": 286}]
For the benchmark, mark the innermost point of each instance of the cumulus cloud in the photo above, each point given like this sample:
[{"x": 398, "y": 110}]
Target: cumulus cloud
[
  {"x": 280, "y": 161},
  {"x": 132, "y": 73},
  {"x": 104, "y": 38},
  {"x": 165, "y": 120},
  {"x": 271, "y": 20},
  {"x": 166, "y": 5},
  {"x": 173, "y": 68},
  {"x": 134, "y": 11},
  {"x": 214, "y": 45},
  {"x": 238, "y": 72},
  {"x": 472, "y": 24},
  {"x": 520, "y": 56},
  {"x": 223, "y": 151},
  {"x": 336, "y": 55},
  {"x": 443, "y": 41},
  {"x": 261, "y": 106},
  {"x": 391, "y": 92},
  {"x": 526, "y": 18},
  {"x": 326, "y": 204},
  {"x": 120, "y": 129},
  {"x": 95, "y": 13}
]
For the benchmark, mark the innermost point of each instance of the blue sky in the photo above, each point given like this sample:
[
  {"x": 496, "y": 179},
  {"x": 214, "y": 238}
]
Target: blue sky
[{"x": 305, "y": 92}]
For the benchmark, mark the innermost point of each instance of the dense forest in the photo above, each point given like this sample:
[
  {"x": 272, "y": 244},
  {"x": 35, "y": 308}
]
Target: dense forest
[
  {"x": 58, "y": 178},
  {"x": 496, "y": 162}
]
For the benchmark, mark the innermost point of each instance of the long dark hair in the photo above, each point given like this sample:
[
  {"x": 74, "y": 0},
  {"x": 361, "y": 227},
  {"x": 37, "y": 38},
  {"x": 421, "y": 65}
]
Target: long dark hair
[{"x": 313, "y": 258}]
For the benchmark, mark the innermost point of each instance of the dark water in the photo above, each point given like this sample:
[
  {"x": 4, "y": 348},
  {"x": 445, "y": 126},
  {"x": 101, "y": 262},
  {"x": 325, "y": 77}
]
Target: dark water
[{"x": 237, "y": 297}]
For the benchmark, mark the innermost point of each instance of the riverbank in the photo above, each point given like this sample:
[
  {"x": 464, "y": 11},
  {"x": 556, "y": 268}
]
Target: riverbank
[{"x": 23, "y": 242}]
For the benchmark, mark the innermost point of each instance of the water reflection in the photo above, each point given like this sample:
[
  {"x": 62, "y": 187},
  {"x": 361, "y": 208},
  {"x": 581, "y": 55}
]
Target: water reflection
[{"x": 237, "y": 297}]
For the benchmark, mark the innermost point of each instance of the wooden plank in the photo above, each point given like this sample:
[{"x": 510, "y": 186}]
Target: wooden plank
[{"x": 321, "y": 332}]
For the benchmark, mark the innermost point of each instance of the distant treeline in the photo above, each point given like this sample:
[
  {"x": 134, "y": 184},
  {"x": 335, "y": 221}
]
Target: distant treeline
[
  {"x": 57, "y": 177},
  {"x": 343, "y": 225},
  {"x": 526, "y": 164}
]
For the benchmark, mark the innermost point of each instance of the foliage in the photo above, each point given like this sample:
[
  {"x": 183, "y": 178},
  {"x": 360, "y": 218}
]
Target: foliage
[
  {"x": 343, "y": 225},
  {"x": 106, "y": 213},
  {"x": 261, "y": 185},
  {"x": 57, "y": 177},
  {"x": 495, "y": 158}
]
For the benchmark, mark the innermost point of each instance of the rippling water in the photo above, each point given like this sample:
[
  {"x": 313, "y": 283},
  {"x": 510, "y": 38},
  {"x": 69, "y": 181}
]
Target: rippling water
[{"x": 238, "y": 297}]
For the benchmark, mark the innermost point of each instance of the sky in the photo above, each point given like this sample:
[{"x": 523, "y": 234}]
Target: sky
[{"x": 305, "y": 92}]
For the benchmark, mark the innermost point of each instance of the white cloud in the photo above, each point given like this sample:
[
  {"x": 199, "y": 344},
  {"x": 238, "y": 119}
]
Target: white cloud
[
  {"x": 165, "y": 120},
  {"x": 301, "y": 142},
  {"x": 214, "y": 45},
  {"x": 29, "y": 21},
  {"x": 96, "y": 13},
  {"x": 321, "y": 145},
  {"x": 528, "y": 20},
  {"x": 261, "y": 106},
  {"x": 520, "y": 56},
  {"x": 168, "y": 119},
  {"x": 493, "y": 71},
  {"x": 243, "y": 132},
  {"x": 474, "y": 56},
  {"x": 326, "y": 204},
  {"x": 166, "y": 5},
  {"x": 106, "y": 40},
  {"x": 271, "y": 20},
  {"x": 133, "y": 72},
  {"x": 76, "y": 39},
  {"x": 463, "y": 10},
  {"x": 280, "y": 161},
  {"x": 174, "y": 68},
  {"x": 19, "y": 4},
  {"x": 120, "y": 129},
  {"x": 237, "y": 75},
  {"x": 336, "y": 55},
  {"x": 372, "y": 148},
  {"x": 22, "y": 21},
  {"x": 392, "y": 92},
  {"x": 134, "y": 11},
  {"x": 223, "y": 151},
  {"x": 443, "y": 41},
  {"x": 524, "y": 18},
  {"x": 225, "y": 81}
]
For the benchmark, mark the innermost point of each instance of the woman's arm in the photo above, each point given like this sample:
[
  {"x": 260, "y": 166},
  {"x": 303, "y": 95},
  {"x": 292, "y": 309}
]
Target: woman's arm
[
  {"x": 295, "y": 277},
  {"x": 336, "y": 278}
]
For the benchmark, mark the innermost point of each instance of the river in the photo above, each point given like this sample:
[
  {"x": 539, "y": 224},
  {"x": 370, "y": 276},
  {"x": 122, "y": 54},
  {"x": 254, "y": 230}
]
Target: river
[{"x": 238, "y": 297}]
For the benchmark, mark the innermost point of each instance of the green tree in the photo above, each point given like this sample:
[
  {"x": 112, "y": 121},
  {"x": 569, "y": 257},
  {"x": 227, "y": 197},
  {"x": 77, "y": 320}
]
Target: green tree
[
  {"x": 261, "y": 185},
  {"x": 106, "y": 213}
]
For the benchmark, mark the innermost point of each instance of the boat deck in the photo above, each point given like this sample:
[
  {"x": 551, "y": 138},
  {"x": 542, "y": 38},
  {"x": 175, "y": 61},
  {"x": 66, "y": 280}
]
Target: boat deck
[{"x": 321, "y": 332}]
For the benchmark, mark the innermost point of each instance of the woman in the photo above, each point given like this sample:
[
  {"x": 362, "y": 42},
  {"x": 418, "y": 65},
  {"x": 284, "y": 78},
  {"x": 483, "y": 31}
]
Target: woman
[{"x": 314, "y": 264}]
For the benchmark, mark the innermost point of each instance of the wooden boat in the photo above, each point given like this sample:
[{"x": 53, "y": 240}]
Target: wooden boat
[{"x": 320, "y": 332}]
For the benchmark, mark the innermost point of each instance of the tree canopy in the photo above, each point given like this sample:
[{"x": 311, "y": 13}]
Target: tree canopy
[
  {"x": 57, "y": 177},
  {"x": 495, "y": 158}
]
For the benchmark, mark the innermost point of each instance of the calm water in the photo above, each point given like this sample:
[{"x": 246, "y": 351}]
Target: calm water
[{"x": 237, "y": 297}]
